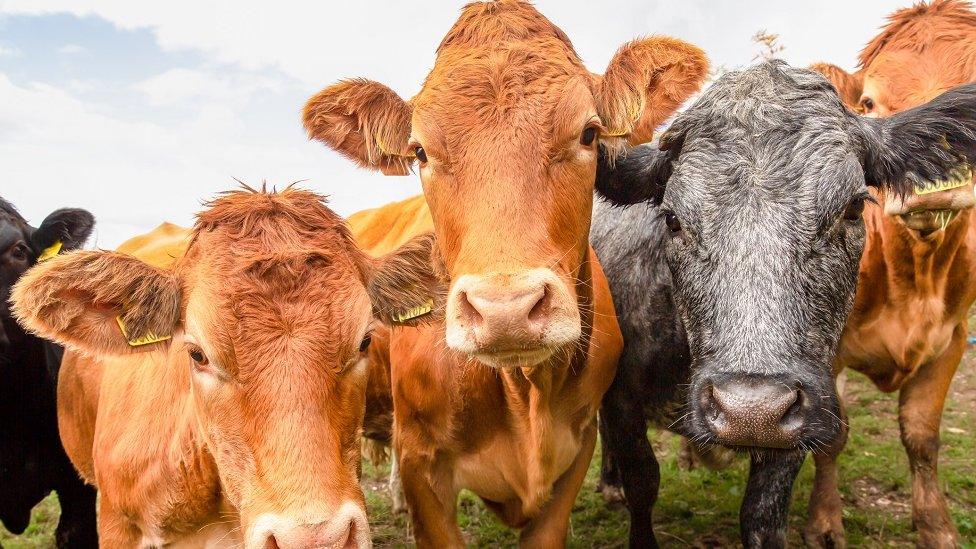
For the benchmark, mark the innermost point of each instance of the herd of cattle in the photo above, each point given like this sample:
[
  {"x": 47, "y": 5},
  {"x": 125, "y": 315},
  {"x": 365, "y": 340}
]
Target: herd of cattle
[{"x": 214, "y": 383}]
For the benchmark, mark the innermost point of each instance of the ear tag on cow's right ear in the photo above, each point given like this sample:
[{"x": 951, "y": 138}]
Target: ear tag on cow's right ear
[
  {"x": 147, "y": 339},
  {"x": 959, "y": 177},
  {"x": 50, "y": 251},
  {"x": 414, "y": 312}
]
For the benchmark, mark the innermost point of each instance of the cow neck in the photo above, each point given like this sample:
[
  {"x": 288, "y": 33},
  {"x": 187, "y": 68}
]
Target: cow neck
[
  {"x": 930, "y": 259},
  {"x": 538, "y": 389}
]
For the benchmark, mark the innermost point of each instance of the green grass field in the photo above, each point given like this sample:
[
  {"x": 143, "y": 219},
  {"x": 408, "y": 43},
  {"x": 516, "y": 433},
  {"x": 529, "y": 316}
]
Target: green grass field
[{"x": 699, "y": 508}]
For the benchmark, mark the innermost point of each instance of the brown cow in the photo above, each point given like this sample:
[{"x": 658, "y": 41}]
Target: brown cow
[
  {"x": 907, "y": 330},
  {"x": 243, "y": 427},
  {"x": 501, "y": 397}
]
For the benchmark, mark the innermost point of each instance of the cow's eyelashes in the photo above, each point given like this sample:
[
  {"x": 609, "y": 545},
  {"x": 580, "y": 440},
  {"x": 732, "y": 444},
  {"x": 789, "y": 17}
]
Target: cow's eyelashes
[
  {"x": 672, "y": 222},
  {"x": 420, "y": 153},
  {"x": 855, "y": 208},
  {"x": 588, "y": 137},
  {"x": 364, "y": 344},
  {"x": 197, "y": 355},
  {"x": 19, "y": 252}
]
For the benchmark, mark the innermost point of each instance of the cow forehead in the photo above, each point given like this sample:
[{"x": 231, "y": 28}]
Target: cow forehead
[
  {"x": 534, "y": 98},
  {"x": 261, "y": 308},
  {"x": 771, "y": 138}
]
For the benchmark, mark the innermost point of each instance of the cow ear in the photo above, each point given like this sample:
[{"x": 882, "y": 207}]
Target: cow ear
[
  {"x": 405, "y": 288},
  {"x": 98, "y": 302},
  {"x": 639, "y": 174},
  {"x": 849, "y": 86},
  {"x": 646, "y": 81},
  {"x": 363, "y": 120},
  {"x": 70, "y": 227},
  {"x": 927, "y": 144}
]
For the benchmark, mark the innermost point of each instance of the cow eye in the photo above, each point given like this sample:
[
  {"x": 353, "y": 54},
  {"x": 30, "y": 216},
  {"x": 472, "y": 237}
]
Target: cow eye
[
  {"x": 854, "y": 209},
  {"x": 671, "y": 220},
  {"x": 197, "y": 355},
  {"x": 420, "y": 153},
  {"x": 588, "y": 136},
  {"x": 867, "y": 104},
  {"x": 364, "y": 344},
  {"x": 19, "y": 252}
]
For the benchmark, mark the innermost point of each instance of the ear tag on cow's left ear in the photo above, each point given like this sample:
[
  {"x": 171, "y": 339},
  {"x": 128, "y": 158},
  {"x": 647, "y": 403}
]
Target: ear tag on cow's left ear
[
  {"x": 414, "y": 312},
  {"x": 147, "y": 339},
  {"x": 959, "y": 177},
  {"x": 50, "y": 251}
]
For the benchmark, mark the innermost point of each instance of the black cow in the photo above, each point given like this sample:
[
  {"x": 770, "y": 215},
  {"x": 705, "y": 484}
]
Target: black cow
[
  {"x": 733, "y": 283},
  {"x": 32, "y": 460}
]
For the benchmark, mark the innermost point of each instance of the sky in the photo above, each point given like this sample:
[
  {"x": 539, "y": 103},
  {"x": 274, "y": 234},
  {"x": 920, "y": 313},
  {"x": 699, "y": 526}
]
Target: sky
[{"x": 140, "y": 111}]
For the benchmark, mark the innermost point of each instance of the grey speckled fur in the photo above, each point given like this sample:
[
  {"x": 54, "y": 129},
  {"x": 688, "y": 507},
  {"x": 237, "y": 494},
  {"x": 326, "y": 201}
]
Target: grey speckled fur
[{"x": 761, "y": 276}]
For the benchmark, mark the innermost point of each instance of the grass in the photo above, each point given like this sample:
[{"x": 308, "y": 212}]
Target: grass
[{"x": 699, "y": 508}]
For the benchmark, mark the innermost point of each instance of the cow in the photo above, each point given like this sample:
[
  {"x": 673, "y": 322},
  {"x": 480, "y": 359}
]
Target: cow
[
  {"x": 907, "y": 331},
  {"x": 32, "y": 460},
  {"x": 733, "y": 286},
  {"x": 219, "y": 402},
  {"x": 500, "y": 396}
]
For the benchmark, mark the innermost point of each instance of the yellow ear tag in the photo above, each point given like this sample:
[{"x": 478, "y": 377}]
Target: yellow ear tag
[
  {"x": 959, "y": 178},
  {"x": 50, "y": 251},
  {"x": 414, "y": 312},
  {"x": 147, "y": 339}
]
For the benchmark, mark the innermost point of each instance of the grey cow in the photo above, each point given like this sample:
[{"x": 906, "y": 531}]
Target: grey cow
[{"x": 735, "y": 270}]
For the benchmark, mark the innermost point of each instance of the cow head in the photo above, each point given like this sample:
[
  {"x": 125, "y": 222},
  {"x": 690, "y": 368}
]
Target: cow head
[
  {"x": 504, "y": 134},
  {"x": 268, "y": 317},
  {"x": 20, "y": 247},
  {"x": 761, "y": 185},
  {"x": 922, "y": 52}
]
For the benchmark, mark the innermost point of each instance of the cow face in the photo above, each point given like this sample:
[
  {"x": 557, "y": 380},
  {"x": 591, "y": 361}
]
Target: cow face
[
  {"x": 924, "y": 51},
  {"x": 764, "y": 180},
  {"x": 504, "y": 135},
  {"x": 21, "y": 245},
  {"x": 269, "y": 314}
]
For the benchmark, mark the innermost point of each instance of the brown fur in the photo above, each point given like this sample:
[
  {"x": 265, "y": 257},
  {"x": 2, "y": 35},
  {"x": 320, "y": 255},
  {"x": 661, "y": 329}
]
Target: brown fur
[
  {"x": 274, "y": 291},
  {"x": 908, "y": 327},
  {"x": 509, "y": 184}
]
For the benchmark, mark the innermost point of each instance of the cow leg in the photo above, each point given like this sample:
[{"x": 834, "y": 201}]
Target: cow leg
[
  {"x": 549, "y": 527},
  {"x": 114, "y": 529},
  {"x": 919, "y": 416},
  {"x": 762, "y": 517},
  {"x": 77, "y": 526},
  {"x": 625, "y": 435},
  {"x": 609, "y": 484},
  {"x": 431, "y": 496},
  {"x": 396, "y": 486},
  {"x": 825, "y": 527}
]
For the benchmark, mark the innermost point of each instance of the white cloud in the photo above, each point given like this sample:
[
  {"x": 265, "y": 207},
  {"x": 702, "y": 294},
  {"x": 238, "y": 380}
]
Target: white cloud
[
  {"x": 71, "y": 49},
  {"x": 8, "y": 51},
  {"x": 180, "y": 85}
]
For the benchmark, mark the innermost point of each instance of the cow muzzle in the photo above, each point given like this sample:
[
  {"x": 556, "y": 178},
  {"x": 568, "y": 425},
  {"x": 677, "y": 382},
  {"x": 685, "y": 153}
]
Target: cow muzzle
[
  {"x": 931, "y": 209},
  {"x": 754, "y": 411},
  {"x": 348, "y": 528},
  {"x": 511, "y": 320}
]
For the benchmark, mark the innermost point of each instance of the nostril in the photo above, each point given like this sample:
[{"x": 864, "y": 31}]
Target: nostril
[
  {"x": 711, "y": 405},
  {"x": 793, "y": 417},
  {"x": 469, "y": 312},
  {"x": 350, "y": 540},
  {"x": 271, "y": 543},
  {"x": 540, "y": 310}
]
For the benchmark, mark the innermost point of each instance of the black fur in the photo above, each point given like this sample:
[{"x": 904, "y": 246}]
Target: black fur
[{"x": 32, "y": 460}]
